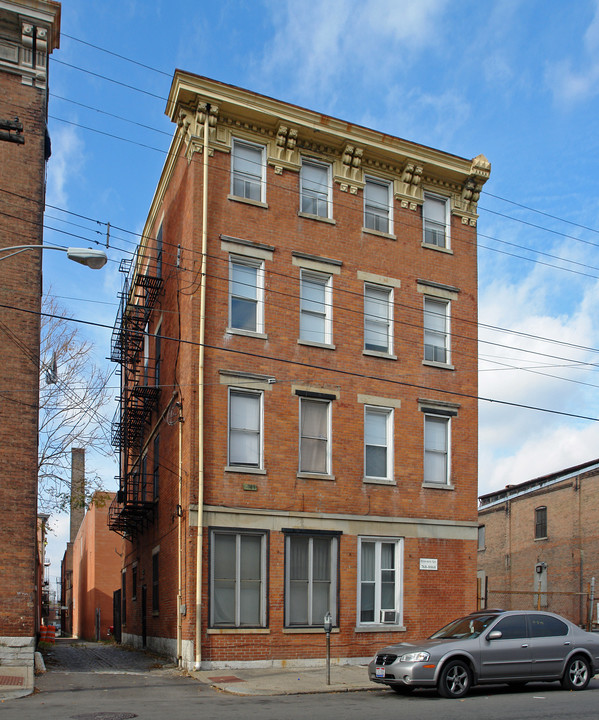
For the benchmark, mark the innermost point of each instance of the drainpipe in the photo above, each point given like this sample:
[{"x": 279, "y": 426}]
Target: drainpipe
[
  {"x": 200, "y": 526},
  {"x": 179, "y": 545}
]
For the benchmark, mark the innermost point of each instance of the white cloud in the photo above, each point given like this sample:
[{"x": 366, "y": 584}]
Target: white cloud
[
  {"x": 65, "y": 165},
  {"x": 571, "y": 84}
]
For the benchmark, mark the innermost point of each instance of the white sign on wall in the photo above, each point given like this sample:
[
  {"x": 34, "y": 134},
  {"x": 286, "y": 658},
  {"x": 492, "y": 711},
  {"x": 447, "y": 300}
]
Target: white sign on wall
[{"x": 429, "y": 564}]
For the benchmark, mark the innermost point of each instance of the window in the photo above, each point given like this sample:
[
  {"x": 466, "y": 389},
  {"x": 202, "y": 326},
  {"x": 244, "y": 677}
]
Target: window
[
  {"x": 435, "y": 221},
  {"x": 436, "y": 330},
  {"x": 246, "y": 294},
  {"x": 159, "y": 248},
  {"x": 310, "y": 579},
  {"x": 546, "y": 626},
  {"x": 247, "y": 171},
  {"x": 144, "y": 479},
  {"x": 155, "y": 581},
  {"x": 315, "y": 433},
  {"x": 378, "y": 443},
  {"x": 540, "y": 523},
  {"x": 512, "y": 627},
  {"x": 377, "y": 205},
  {"x": 378, "y": 318},
  {"x": 245, "y": 428},
  {"x": 436, "y": 449},
  {"x": 124, "y": 597},
  {"x": 238, "y": 571},
  {"x": 156, "y": 470},
  {"x": 316, "y": 307},
  {"x": 481, "y": 537},
  {"x": 379, "y": 595},
  {"x": 134, "y": 582},
  {"x": 315, "y": 189},
  {"x": 157, "y": 352}
]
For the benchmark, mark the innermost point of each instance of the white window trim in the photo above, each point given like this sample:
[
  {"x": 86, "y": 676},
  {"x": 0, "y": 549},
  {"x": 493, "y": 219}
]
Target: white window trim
[
  {"x": 310, "y": 161},
  {"x": 446, "y": 201},
  {"x": 389, "y": 185},
  {"x": 399, "y": 584},
  {"x": 329, "y": 406},
  {"x": 334, "y": 558},
  {"x": 259, "y": 266},
  {"x": 390, "y": 319},
  {"x": 447, "y": 331},
  {"x": 327, "y": 282},
  {"x": 446, "y": 483},
  {"x": 389, "y": 422},
  {"x": 240, "y": 467},
  {"x": 263, "y": 584},
  {"x": 239, "y": 141}
]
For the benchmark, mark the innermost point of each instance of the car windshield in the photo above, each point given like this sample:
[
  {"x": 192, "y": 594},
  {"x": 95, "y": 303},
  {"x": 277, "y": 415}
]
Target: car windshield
[{"x": 468, "y": 627}]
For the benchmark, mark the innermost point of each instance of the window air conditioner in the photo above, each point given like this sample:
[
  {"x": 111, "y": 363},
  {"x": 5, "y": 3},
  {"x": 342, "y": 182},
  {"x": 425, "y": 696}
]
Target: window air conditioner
[{"x": 389, "y": 616}]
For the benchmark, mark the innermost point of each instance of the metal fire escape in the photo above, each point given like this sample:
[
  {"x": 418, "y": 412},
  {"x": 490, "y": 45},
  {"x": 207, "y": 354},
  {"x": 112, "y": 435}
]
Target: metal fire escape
[{"x": 133, "y": 506}]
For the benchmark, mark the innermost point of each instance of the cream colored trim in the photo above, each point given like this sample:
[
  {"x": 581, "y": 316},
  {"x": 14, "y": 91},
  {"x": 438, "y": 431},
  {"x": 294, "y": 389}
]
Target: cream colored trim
[
  {"x": 378, "y": 279},
  {"x": 445, "y": 293},
  {"x": 354, "y": 525},
  {"x": 324, "y": 265},
  {"x": 238, "y": 631},
  {"x": 317, "y": 389},
  {"x": 382, "y": 401},
  {"x": 230, "y": 245},
  {"x": 247, "y": 381}
]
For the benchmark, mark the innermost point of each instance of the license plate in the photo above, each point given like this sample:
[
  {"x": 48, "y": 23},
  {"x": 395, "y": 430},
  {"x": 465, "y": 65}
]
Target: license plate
[{"x": 380, "y": 672}]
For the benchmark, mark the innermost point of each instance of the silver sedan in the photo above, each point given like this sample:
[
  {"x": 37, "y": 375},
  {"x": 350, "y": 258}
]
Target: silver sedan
[{"x": 491, "y": 646}]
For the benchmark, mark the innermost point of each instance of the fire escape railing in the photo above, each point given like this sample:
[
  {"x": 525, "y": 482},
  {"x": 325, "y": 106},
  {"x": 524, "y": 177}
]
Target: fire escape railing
[{"x": 133, "y": 506}]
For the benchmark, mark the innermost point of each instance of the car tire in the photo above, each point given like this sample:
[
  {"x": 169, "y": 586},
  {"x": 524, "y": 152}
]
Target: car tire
[
  {"x": 577, "y": 674},
  {"x": 455, "y": 679},
  {"x": 403, "y": 689}
]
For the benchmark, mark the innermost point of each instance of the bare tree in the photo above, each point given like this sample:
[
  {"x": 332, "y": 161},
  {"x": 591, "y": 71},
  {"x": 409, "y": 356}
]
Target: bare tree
[{"x": 73, "y": 397}]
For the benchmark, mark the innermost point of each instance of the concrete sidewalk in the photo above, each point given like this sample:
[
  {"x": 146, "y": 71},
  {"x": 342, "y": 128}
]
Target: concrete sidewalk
[{"x": 287, "y": 681}]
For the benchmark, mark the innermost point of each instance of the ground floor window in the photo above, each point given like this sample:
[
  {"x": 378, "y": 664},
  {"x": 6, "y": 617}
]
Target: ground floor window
[
  {"x": 237, "y": 574},
  {"x": 311, "y": 562},
  {"x": 380, "y": 591}
]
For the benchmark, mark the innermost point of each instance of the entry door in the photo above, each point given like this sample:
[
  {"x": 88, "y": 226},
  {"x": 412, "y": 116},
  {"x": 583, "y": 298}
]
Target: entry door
[
  {"x": 144, "y": 605},
  {"x": 508, "y": 657}
]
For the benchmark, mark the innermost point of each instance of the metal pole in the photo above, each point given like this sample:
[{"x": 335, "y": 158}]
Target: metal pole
[{"x": 328, "y": 658}]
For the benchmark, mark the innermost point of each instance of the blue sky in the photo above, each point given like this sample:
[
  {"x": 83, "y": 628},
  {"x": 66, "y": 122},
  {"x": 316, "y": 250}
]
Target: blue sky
[{"x": 515, "y": 80}]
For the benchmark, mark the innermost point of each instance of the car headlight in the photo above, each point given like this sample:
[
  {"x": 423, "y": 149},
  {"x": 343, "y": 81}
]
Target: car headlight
[{"x": 415, "y": 657}]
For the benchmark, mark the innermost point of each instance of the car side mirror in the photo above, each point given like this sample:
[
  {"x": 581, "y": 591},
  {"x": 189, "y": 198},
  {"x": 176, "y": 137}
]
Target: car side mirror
[{"x": 495, "y": 635}]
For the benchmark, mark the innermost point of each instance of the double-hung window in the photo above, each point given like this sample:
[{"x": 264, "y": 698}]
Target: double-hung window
[
  {"x": 315, "y": 183},
  {"x": 540, "y": 523},
  {"x": 315, "y": 436},
  {"x": 248, "y": 171},
  {"x": 156, "y": 471},
  {"x": 316, "y": 311},
  {"x": 436, "y": 330},
  {"x": 378, "y": 205},
  {"x": 159, "y": 249},
  {"x": 245, "y": 428},
  {"x": 436, "y": 449},
  {"x": 435, "y": 216},
  {"x": 378, "y": 318},
  {"x": 378, "y": 443},
  {"x": 156, "y": 581},
  {"x": 311, "y": 562},
  {"x": 246, "y": 295},
  {"x": 237, "y": 574},
  {"x": 380, "y": 592}
]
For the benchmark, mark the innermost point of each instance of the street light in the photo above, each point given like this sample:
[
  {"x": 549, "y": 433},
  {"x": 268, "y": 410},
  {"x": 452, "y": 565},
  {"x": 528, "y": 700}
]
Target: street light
[{"x": 94, "y": 259}]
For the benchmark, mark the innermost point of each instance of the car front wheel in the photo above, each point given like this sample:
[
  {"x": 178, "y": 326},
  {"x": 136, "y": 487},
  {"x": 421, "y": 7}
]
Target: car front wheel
[
  {"x": 455, "y": 679},
  {"x": 577, "y": 675}
]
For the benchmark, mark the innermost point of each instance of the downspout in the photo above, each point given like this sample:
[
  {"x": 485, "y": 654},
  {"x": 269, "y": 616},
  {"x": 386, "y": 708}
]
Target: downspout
[
  {"x": 179, "y": 546},
  {"x": 200, "y": 525}
]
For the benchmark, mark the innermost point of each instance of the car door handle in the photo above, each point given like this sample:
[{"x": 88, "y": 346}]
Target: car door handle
[
  {"x": 524, "y": 645},
  {"x": 567, "y": 642}
]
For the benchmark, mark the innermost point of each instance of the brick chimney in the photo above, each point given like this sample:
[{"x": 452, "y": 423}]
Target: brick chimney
[{"x": 77, "y": 490}]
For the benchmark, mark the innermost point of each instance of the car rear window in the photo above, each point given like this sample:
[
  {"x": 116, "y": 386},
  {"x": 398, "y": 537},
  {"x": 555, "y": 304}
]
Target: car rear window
[{"x": 546, "y": 626}]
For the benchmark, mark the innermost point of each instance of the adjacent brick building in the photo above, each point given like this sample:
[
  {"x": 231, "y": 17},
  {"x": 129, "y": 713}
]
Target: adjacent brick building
[
  {"x": 97, "y": 559},
  {"x": 539, "y": 543},
  {"x": 29, "y": 32},
  {"x": 298, "y": 422}
]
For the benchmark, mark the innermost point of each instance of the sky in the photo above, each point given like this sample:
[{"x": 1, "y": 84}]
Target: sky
[{"x": 515, "y": 80}]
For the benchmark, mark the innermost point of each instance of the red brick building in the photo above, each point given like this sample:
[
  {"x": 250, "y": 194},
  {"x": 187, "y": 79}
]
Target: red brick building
[
  {"x": 97, "y": 560},
  {"x": 29, "y": 32},
  {"x": 298, "y": 421},
  {"x": 539, "y": 543}
]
